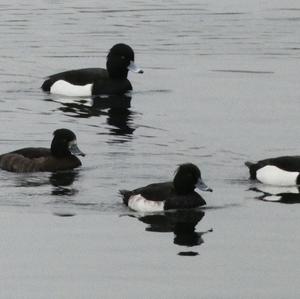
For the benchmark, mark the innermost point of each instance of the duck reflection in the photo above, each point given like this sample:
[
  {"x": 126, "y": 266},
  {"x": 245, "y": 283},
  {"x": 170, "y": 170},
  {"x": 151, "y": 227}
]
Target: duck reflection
[
  {"x": 120, "y": 119},
  {"x": 112, "y": 102},
  {"x": 285, "y": 195},
  {"x": 115, "y": 107},
  {"x": 62, "y": 182},
  {"x": 182, "y": 223}
]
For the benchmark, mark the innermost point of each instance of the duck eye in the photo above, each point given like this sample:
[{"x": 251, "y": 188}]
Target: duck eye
[{"x": 123, "y": 57}]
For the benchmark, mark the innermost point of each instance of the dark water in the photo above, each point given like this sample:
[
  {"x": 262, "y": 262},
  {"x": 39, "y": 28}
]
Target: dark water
[{"x": 221, "y": 86}]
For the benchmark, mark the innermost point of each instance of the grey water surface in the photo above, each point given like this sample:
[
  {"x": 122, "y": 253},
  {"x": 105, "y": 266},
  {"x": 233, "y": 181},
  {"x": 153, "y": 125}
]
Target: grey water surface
[{"x": 221, "y": 86}]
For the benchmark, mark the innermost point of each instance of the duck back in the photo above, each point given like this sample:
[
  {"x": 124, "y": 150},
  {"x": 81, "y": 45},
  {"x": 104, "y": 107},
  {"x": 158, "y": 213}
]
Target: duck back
[
  {"x": 76, "y": 77},
  {"x": 36, "y": 159}
]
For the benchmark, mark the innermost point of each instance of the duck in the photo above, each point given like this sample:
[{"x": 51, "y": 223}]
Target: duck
[
  {"x": 96, "y": 81},
  {"x": 61, "y": 155},
  {"x": 278, "y": 171},
  {"x": 177, "y": 194}
]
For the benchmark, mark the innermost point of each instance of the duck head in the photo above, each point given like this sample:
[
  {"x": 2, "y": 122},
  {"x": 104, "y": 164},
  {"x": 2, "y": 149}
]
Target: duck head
[
  {"x": 187, "y": 178},
  {"x": 64, "y": 144}
]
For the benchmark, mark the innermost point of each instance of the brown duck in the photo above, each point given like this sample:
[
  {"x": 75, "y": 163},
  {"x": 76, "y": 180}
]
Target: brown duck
[{"x": 61, "y": 155}]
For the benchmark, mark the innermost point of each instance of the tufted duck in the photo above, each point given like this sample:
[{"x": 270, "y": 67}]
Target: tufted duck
[
  {"x": 96, "y": 81},
  {"x": 61, "y": 155},
  {"x": 178, "y": 194}
]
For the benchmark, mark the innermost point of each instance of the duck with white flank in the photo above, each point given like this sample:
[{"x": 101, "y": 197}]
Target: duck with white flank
[
  {"x": 280, "y": 171},
  {"x": 97, "y": 81},
  {"x": 179, "y": 194}
]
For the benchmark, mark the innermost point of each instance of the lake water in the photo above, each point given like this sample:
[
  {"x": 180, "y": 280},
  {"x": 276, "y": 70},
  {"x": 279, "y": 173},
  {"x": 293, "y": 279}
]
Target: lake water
[{"x": 221, "y": 86}]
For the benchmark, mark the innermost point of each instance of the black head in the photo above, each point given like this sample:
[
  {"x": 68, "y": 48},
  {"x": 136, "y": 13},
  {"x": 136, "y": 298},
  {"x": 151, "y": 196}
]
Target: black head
[
  {"x": 187, "y": 178},
  {"x": 120, "y": 60},
  {"x": 64, "y": 144}
]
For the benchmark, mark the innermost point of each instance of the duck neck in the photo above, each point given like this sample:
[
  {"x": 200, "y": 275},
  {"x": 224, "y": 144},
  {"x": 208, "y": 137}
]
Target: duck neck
[
  {"x": 116, "y": 71},
  {"x": 183, "y": 185},
  {"x": 59, "y": 149}
]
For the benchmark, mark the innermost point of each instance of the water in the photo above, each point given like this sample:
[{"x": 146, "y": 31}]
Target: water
[{"x": 220, "y": 87}]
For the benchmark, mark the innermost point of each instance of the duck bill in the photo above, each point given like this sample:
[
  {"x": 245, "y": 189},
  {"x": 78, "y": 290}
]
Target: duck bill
[
  {"x": 134, "y": 68},
  {"x": 74, "y": 149},
  {"x": 202, "y": 186}
]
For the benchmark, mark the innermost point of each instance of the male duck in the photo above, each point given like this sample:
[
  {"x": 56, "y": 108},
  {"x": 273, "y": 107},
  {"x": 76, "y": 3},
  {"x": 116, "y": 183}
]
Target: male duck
[
  {"x": 280, "y": 171},
  {"x": 178, "y": 194},
  {"x": 97, "y": 81},
  {"x": 59, "y": 157}
]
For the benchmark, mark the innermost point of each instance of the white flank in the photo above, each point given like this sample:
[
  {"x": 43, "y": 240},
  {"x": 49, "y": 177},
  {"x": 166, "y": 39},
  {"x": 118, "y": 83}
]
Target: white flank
[
  {"x": 272, "y": 198},
  {"x": 67, "y": 89},
  {"x": 273, "y": 175},
  {"x": 140, "y": 204}
]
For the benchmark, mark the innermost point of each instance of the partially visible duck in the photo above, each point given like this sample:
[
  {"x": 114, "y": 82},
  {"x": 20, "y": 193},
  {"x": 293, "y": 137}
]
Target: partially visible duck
[
  {"x": 279, "y": 171},
  {"x": 178, "y": 194},
  {"x": 97, "y": 81},
  {"x": 61, "y": 155}
]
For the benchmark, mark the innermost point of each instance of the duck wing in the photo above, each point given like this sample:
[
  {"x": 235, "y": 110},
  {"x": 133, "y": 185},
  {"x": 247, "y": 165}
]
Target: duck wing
[
  {"x": 77, "y": 77},
  {"x": 153, "y": 192},
  {"x": 33, "y": 152},
  {"x": 18, "y": 163},
  {"x": 288, "y": 163},
  {"x": 156, "y": 192}
]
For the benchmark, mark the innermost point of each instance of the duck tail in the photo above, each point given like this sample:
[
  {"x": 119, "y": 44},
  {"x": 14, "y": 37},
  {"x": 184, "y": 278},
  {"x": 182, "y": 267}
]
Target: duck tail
[
  {"x": 252, "y": 169},
  {"x": 47, "y": 85},
  {"x": 249, "y": 164},
  {"x": 126, "y": 195}
]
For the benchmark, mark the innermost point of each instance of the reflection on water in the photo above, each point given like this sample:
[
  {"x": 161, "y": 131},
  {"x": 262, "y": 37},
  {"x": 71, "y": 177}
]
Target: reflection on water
[
  {"x": 62, "y": 182},
  {"x": 64, "y": 214},
  {"x": 120, "y": 119},
  {"x": 30, "y": 180},
  {"x": 112, "y": 101},
  {"x": 286, "y": 195},
  {"x": 114, "y": 107},
  {"x": 182, "y": 223},
  {"x": 87, "y": 107}
]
